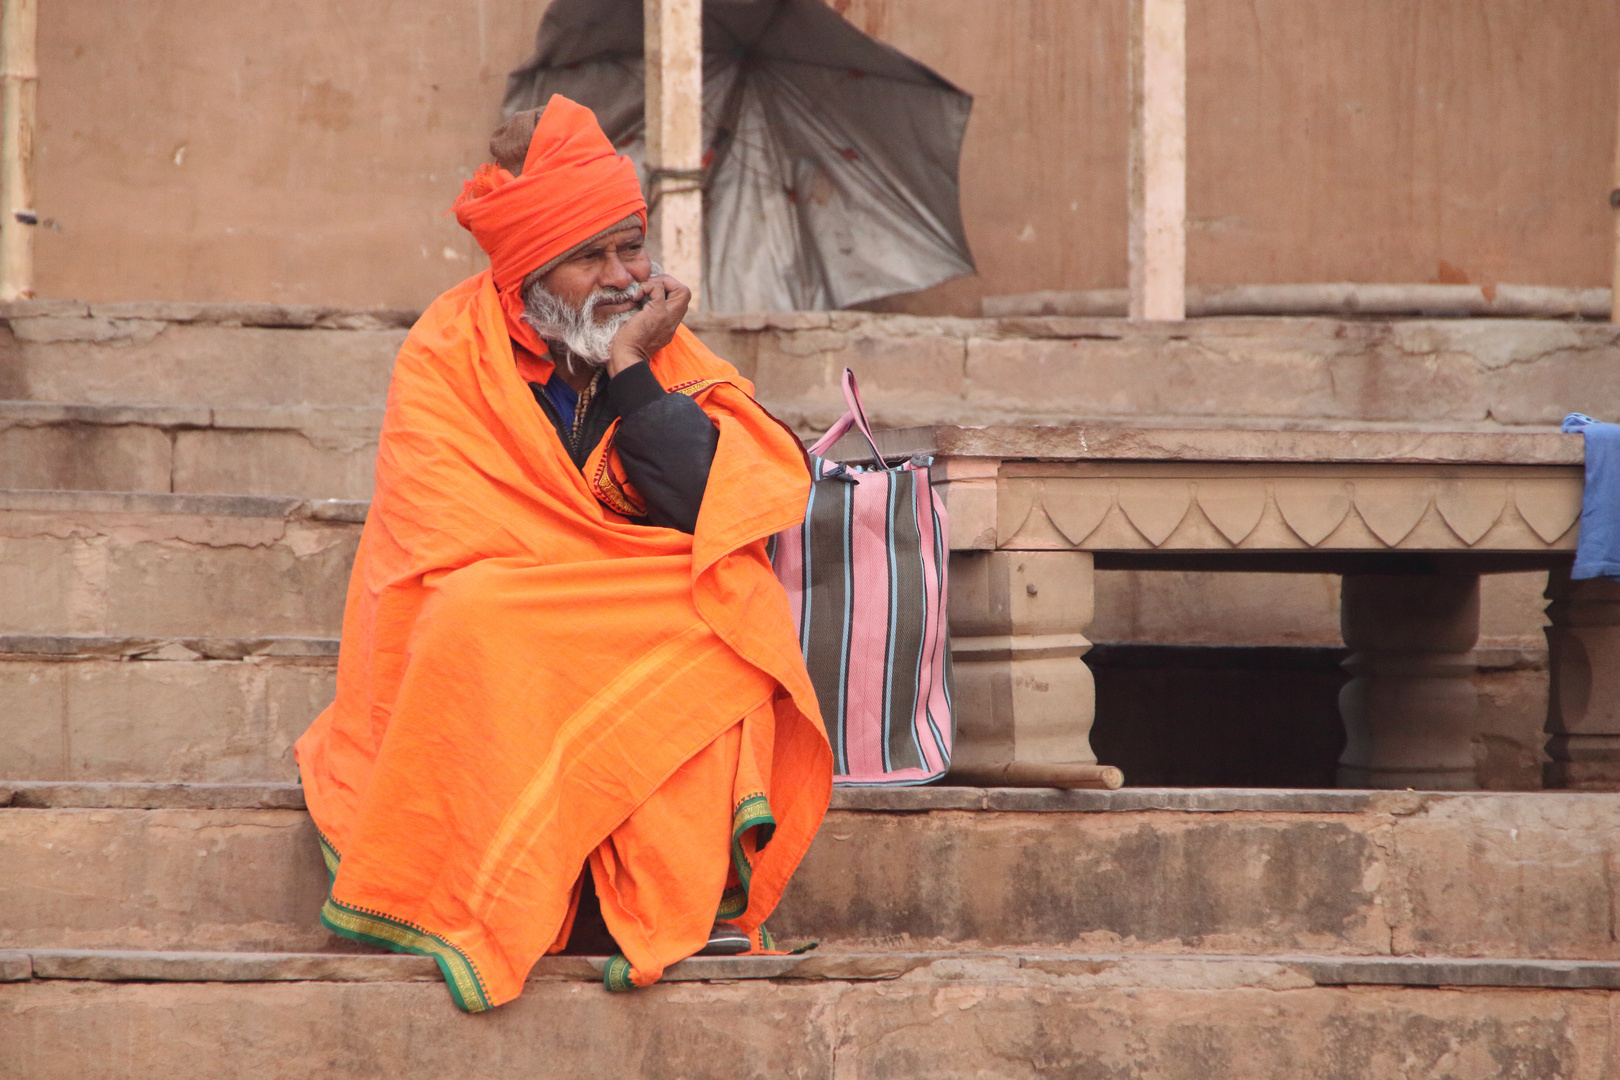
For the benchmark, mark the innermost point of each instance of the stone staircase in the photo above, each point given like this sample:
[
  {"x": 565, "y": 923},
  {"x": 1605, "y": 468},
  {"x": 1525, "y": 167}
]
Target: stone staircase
[{"x": 184, "y": 490}]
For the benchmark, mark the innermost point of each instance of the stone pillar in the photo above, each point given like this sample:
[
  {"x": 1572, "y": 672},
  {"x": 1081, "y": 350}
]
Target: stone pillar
[
  {"x": 1158, "y": 159},
  {"x": 19, "y": 81},
  {"x": 1411, "y": 710},
  {"x": 1024, "y": 696},
  {"x": 1583, "y": 701},
  {"x": 674, "y": 133}
]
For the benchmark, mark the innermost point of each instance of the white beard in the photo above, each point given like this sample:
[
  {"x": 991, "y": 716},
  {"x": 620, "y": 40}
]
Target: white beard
[{"x": 578, "y": 328}]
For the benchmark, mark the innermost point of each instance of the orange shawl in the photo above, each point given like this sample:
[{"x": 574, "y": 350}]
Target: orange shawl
[{"x": 529, "y": 682}]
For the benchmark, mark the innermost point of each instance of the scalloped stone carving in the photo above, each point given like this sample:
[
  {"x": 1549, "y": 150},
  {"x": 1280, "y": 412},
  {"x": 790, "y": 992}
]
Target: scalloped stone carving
[
  {"x": 1311, "y": 508},
  {"x": 1471, "y": 508},
  {"x": 1232, "y": 506}
]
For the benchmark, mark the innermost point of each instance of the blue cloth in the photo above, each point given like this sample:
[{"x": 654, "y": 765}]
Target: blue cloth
[
  {"x": 1597, "y": 553},
  {"x": 564, "y": 398}
]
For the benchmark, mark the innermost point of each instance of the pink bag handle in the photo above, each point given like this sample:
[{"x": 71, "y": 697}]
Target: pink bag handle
[{"x": 855, "y": 417}]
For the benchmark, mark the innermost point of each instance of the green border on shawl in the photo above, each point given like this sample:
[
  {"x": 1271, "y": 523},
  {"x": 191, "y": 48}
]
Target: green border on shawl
[
  {"x": 753, "y": 812},
  {"x": 616, "y": 975},
  {"x": 376, "y": 928}
]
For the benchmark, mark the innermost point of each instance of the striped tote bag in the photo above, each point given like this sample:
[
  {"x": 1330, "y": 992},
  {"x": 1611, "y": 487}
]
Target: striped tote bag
[{"x": 866, "y": 577}]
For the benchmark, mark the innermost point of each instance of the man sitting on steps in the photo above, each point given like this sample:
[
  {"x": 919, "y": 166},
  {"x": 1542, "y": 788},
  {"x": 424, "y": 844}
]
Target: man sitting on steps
[{"x": 569, "y": 679}]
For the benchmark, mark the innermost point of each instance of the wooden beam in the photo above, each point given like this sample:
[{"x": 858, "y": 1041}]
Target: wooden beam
[
  {"x": 1158, "y": 185},
  {"x": 674, "y": 55},
  {"x": 19, "y": 80}
]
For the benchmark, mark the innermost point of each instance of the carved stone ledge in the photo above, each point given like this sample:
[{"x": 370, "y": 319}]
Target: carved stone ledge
[{"x": 1271, "y": 508}]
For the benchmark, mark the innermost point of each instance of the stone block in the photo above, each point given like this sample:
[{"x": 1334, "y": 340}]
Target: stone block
[
  {"x": 273, "y": 463},
  {"x": 181, "y": 566},
  {"x": 33, "y": 709},
  {"x": 47, "y": 583},
  {"x": 1127, "y": 880},
  {"x": 908, "y": 375},
  {"x": 102, "y": 795},
  {"x": 961, "y": 1019},
  {"x": 1012, "y": 1030},
  {"x": 84, "y": 457},
  {"x": 1168, "y": 607},
  {"x": 176, "y": 587},
  {"x": 1506, "y": 876},
  {"x": 107, "y": 361},
  {"x": 115, "y": 719},
  {"x": 1436, "y": 876},
  {"x": 141, "y": 879},
  {"x": 232, "y": 967}
]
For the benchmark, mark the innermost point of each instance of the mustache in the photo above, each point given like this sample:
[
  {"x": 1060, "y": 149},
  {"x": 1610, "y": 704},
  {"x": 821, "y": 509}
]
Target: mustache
[{"x": 608, "y": 295}]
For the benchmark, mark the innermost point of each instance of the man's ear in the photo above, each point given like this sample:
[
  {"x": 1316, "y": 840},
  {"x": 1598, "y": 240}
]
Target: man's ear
[{"x": 509, "y": 145}]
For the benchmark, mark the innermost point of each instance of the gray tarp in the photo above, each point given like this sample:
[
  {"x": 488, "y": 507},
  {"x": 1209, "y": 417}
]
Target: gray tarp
[{"x": 831, "y": 157}]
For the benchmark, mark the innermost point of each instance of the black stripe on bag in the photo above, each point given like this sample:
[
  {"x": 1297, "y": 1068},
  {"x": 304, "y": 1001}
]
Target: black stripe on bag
[{"x": 826, "y": 641}]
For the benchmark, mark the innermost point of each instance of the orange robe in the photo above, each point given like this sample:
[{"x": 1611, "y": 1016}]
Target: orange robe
[{"x": 529, "y": 682}]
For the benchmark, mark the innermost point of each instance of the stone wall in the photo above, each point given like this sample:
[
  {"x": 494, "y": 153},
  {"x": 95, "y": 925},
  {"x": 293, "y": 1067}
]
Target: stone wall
[{"x": 303, "y": 152}]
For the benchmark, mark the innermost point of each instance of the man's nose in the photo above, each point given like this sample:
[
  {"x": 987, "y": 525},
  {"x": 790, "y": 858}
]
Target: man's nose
[{"x": 615, "y": 275}]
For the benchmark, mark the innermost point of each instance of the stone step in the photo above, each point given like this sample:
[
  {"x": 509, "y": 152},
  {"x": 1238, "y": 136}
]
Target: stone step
[
  {"x": 1484, "y": 374},
  {"x": 239, "y": 355},
  {"x": 228, "y": 709},
  {"x": 163, "y": 565},
  {"x": 890, "y": 1014},
  {"x": 316, "y": 452},
  {"x": 159, "y": 709},
  {"x": 1187, "y": 871}
]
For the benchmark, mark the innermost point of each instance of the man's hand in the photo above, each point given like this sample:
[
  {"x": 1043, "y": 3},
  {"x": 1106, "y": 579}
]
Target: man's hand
[{"x": 651, "y": 328}]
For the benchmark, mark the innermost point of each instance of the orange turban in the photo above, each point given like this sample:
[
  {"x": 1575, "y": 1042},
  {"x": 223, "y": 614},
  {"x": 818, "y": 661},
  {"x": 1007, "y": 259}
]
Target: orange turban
[{"x": 572, "y": 188}]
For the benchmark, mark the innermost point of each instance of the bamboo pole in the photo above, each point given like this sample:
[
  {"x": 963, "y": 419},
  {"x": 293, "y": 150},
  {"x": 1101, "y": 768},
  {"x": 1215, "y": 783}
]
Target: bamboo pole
[
  {"x": 674, "y": 66},
  {"x": 1614, "y": 203},
  {"x": 19, "y": 80},
  {"x": 1331, "y": 298},
  {"x": 1158, "y": 159}
]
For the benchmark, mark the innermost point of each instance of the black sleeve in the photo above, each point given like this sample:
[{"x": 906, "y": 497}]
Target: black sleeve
[{"x": 666, "y": 443}]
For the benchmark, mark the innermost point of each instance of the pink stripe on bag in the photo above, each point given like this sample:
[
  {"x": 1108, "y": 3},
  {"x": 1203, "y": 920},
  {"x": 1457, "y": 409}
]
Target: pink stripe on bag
[{"x": 869, "y": 632}]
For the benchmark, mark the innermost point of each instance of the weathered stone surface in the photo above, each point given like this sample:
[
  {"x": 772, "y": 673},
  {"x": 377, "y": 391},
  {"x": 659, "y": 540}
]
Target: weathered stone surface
[
  {"x": 46, "y": 795},
  {"x": 314, "y": 452},
  {"x": 33, "y": 740},
  {"x": 749, "y": 1029},
  {"x": 968, "y": 1020},
  {"x": 184, "y": 879},
  {"x": 86, "y": 457},
  {"x": 1132, "y": 880},
  {"x": 1347, "y": 873},
  {"x": 243, "y": 314},
  {"x": 129, "y": 720},
  {"x": 130, "y": 966},
  {"x": 1093, "y": 970},
  {"x": 319, "y": 453},
  {"x": 1486, "y": 373},
  {"x": 15, "y": 967},
  {"x": 272, "y": 462},
  {"x": 1515, "y": 876},
  {"x": 198, "y": 565},
  {"x": 1409, "y": 872},
  {"x": 1244, "y": 439},
  {"x": 144, "y": 360}
]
